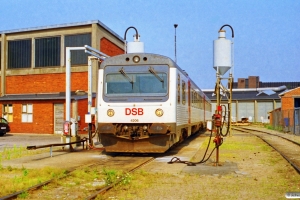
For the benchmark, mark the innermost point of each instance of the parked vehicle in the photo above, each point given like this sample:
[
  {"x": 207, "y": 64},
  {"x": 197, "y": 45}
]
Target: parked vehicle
[{"x": 4, "y": 126}]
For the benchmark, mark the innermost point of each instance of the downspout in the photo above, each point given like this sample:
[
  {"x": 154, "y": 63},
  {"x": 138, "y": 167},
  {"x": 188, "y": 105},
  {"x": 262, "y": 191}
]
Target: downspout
[{"x": 3, "y": 64}]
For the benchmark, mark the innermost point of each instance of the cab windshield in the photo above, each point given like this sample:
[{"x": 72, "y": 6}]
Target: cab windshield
[{"x": 136, "y": 81}]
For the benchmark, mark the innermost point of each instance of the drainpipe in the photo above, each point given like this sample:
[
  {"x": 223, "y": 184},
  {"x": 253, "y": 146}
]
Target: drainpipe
[{"x": 3, "y": 63}]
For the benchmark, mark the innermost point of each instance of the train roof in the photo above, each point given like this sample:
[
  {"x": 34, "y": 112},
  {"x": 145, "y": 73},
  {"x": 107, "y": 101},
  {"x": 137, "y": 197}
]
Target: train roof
[{"x": 150, "y": 58}]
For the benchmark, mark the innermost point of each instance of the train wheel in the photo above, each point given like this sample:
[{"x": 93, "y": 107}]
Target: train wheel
[{"x": 184, "y": 134}]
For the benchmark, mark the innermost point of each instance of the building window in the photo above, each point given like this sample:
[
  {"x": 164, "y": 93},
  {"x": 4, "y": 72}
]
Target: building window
[
  {"x": 8, "y": 112},
  {"x": 178, "y": 89},
  {"x": 27, "y": 113},
  {"x": 183, "y": 92},
  {"x": 78, "y": 57},
  {"x": 47, "y": 52},
  {"x": 19, "y": 54}
]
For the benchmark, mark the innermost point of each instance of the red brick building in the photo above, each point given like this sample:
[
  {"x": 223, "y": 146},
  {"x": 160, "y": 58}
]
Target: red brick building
[
  {"x": 290, "y": 99},
  {"x": 33, "y": 79},
  {"x": 288, "y": 116}
]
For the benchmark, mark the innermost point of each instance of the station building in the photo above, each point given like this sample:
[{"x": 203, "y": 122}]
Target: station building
[{"x": 33, "y": 78}]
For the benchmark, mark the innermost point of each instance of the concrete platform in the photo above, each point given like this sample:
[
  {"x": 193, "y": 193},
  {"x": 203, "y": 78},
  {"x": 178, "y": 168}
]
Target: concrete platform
[{"x": 68, "y": 160}]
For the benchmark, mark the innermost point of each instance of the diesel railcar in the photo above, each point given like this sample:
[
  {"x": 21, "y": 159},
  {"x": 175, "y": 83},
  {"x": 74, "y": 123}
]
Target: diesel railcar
[{"x": 146, "y": 103}]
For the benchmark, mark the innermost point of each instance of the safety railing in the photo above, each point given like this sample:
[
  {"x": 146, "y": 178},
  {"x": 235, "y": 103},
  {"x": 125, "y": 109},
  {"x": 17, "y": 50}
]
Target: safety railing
[{"x": 83, "y": 140}]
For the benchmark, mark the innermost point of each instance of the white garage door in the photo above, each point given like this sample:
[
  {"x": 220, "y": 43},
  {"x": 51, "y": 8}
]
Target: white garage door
[
  {"x": 58, "y": 118},
  {"x": 262, "y": 111},
  {"x": 245, "y": 110}
]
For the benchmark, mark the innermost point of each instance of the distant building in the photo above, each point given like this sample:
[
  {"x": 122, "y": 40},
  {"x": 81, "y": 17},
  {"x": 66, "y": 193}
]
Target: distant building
[
  {"x": 254, "y": 82},
  {"x": 33, "y": 78},
  {"x": 288, "y": 116},
  {"x": 253, "y": 99}
]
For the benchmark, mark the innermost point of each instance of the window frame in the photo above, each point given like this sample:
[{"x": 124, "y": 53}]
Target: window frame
[
  {"x": 27, "y": 113},
  {"x": 48, "y": 55},
  {"x": 19, "y": 53},
  {"x": 8, "y": 112}
]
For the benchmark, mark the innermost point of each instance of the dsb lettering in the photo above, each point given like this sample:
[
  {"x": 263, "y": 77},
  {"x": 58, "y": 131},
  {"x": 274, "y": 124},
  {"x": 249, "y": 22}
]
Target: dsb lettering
[{"x": 134, "y": 111}]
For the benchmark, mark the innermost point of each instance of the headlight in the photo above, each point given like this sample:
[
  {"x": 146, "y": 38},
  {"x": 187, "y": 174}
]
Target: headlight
[
  {"x": 136, "y": 59},
  {"x": 110, "y": 112},
  {"x": 159, "y": 112},
  {"x": 145, "y": 127}
]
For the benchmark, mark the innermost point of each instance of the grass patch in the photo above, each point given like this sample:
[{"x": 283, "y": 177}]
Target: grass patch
[
  {"x": 9, "y": 153},
  {"x": 14, "y": 179}
]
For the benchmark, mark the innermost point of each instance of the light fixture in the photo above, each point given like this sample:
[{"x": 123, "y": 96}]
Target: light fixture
[
  {"x": 110, "y": 112},
  {"x": 136, "y": 59},
  {"x": 159, "y": 112}
]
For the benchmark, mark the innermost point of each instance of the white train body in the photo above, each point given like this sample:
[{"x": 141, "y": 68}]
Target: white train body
[{"x": 146, "y": 103}]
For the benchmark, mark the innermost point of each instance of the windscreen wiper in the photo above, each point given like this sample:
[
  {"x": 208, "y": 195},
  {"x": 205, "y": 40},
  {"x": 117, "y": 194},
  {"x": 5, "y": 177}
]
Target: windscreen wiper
[
  {"x": 126, "y": 76},
  {"x": 151, "y": 70}
]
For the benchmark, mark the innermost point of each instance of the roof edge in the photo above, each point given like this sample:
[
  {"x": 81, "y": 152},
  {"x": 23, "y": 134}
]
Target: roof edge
[{"x": 63, "y": 25}]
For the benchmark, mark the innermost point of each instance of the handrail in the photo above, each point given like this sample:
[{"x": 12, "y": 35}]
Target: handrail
[{"x": 83, "y": 140}]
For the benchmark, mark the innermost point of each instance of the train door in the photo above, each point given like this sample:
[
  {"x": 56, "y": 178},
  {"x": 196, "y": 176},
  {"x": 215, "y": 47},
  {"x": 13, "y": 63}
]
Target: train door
[{"x": 58, "y": 118}]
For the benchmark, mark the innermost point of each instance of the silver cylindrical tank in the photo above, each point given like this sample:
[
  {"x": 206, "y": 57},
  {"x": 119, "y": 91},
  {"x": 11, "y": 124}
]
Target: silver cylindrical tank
[
  {"x": 136, "y": 46},
  {"x": 222, "y": 53}
]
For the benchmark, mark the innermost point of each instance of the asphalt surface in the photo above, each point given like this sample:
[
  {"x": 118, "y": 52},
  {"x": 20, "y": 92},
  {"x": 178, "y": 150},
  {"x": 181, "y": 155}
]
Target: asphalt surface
[{"x": 17, "y": 140}]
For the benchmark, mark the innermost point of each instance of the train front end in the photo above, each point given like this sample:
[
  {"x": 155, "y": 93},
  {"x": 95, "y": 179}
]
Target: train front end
[{"x": 135, "y": 105}]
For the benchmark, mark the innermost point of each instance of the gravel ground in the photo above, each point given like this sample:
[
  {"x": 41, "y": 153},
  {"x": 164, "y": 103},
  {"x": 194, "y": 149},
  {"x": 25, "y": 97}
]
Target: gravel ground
[{"x": 249, "y": 169}]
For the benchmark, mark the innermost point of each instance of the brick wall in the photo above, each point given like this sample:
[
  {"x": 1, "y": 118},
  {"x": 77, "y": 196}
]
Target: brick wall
[
  {"x": 241, "y": 83},
  {"x": 287, "y": 100},
  {"x": 45, "y": 83},
  {"x": 82, "y": 110},
  {"x": 110, "y": 48},
  {"x": 43, "y": 117},
  {"x": 253, "y": 81}
]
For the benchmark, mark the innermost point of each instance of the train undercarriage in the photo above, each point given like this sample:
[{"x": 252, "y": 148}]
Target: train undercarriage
[{"x": 141, "y": 138}]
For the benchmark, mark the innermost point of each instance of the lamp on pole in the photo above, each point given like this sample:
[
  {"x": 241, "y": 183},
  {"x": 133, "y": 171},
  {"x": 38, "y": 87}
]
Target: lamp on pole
[{"x": 175, "y": 26}]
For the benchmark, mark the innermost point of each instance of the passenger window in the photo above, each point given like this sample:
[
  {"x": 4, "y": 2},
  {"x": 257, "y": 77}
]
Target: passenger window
[
  {"x": 178, "y": 89},
  {"x": 183, "y": 92}
]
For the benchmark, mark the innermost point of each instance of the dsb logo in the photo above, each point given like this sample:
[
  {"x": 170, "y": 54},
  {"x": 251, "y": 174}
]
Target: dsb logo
[{"x": 134, "y": 111}]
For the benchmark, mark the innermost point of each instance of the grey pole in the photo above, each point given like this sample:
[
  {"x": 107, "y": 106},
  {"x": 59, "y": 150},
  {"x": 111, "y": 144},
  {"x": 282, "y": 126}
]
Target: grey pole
[{"x": 175, "y": 26}]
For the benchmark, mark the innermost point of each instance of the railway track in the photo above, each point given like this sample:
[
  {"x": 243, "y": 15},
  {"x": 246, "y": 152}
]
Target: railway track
[
  {"x": 128, "y": 164},
  {"x": 286, "y": 147}
]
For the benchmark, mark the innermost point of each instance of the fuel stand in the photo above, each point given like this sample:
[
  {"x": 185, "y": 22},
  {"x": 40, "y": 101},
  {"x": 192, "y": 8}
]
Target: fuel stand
[{"x": 223, "y": 61}]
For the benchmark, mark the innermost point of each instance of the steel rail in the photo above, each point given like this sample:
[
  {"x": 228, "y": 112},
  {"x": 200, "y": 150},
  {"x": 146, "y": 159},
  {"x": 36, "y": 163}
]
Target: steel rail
[
  {"x": 296, "y": 167},
  {"x": 105, "y": 189},
  {"x": 37, "y": 186},
  {"x": 297, "y": 143}
]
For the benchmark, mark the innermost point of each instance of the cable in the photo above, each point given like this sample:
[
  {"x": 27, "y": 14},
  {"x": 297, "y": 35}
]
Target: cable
[
  {"x": 203, "y": 160},
  {"x": 228, "y": 124}
]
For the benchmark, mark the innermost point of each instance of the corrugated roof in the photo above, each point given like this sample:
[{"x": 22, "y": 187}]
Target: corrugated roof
[
  {"x": 62, "y": 26},
  {"x": 287, "y": 91},
  {"x": 247, "y": 95},
  {"x": 49, "y": 96}
]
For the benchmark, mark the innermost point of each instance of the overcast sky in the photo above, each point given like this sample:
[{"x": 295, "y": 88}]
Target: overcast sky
[{"x": 266, "y": 32}]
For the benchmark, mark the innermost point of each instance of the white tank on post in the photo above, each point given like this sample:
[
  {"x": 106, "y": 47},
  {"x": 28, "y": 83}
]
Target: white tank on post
[
  {"x": 136, "y": 46},
  {"x": 222, "y": 54}
]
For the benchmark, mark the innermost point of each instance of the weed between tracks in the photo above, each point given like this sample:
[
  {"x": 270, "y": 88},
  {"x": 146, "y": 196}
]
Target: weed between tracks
[{"x": 77, "y": 185}]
